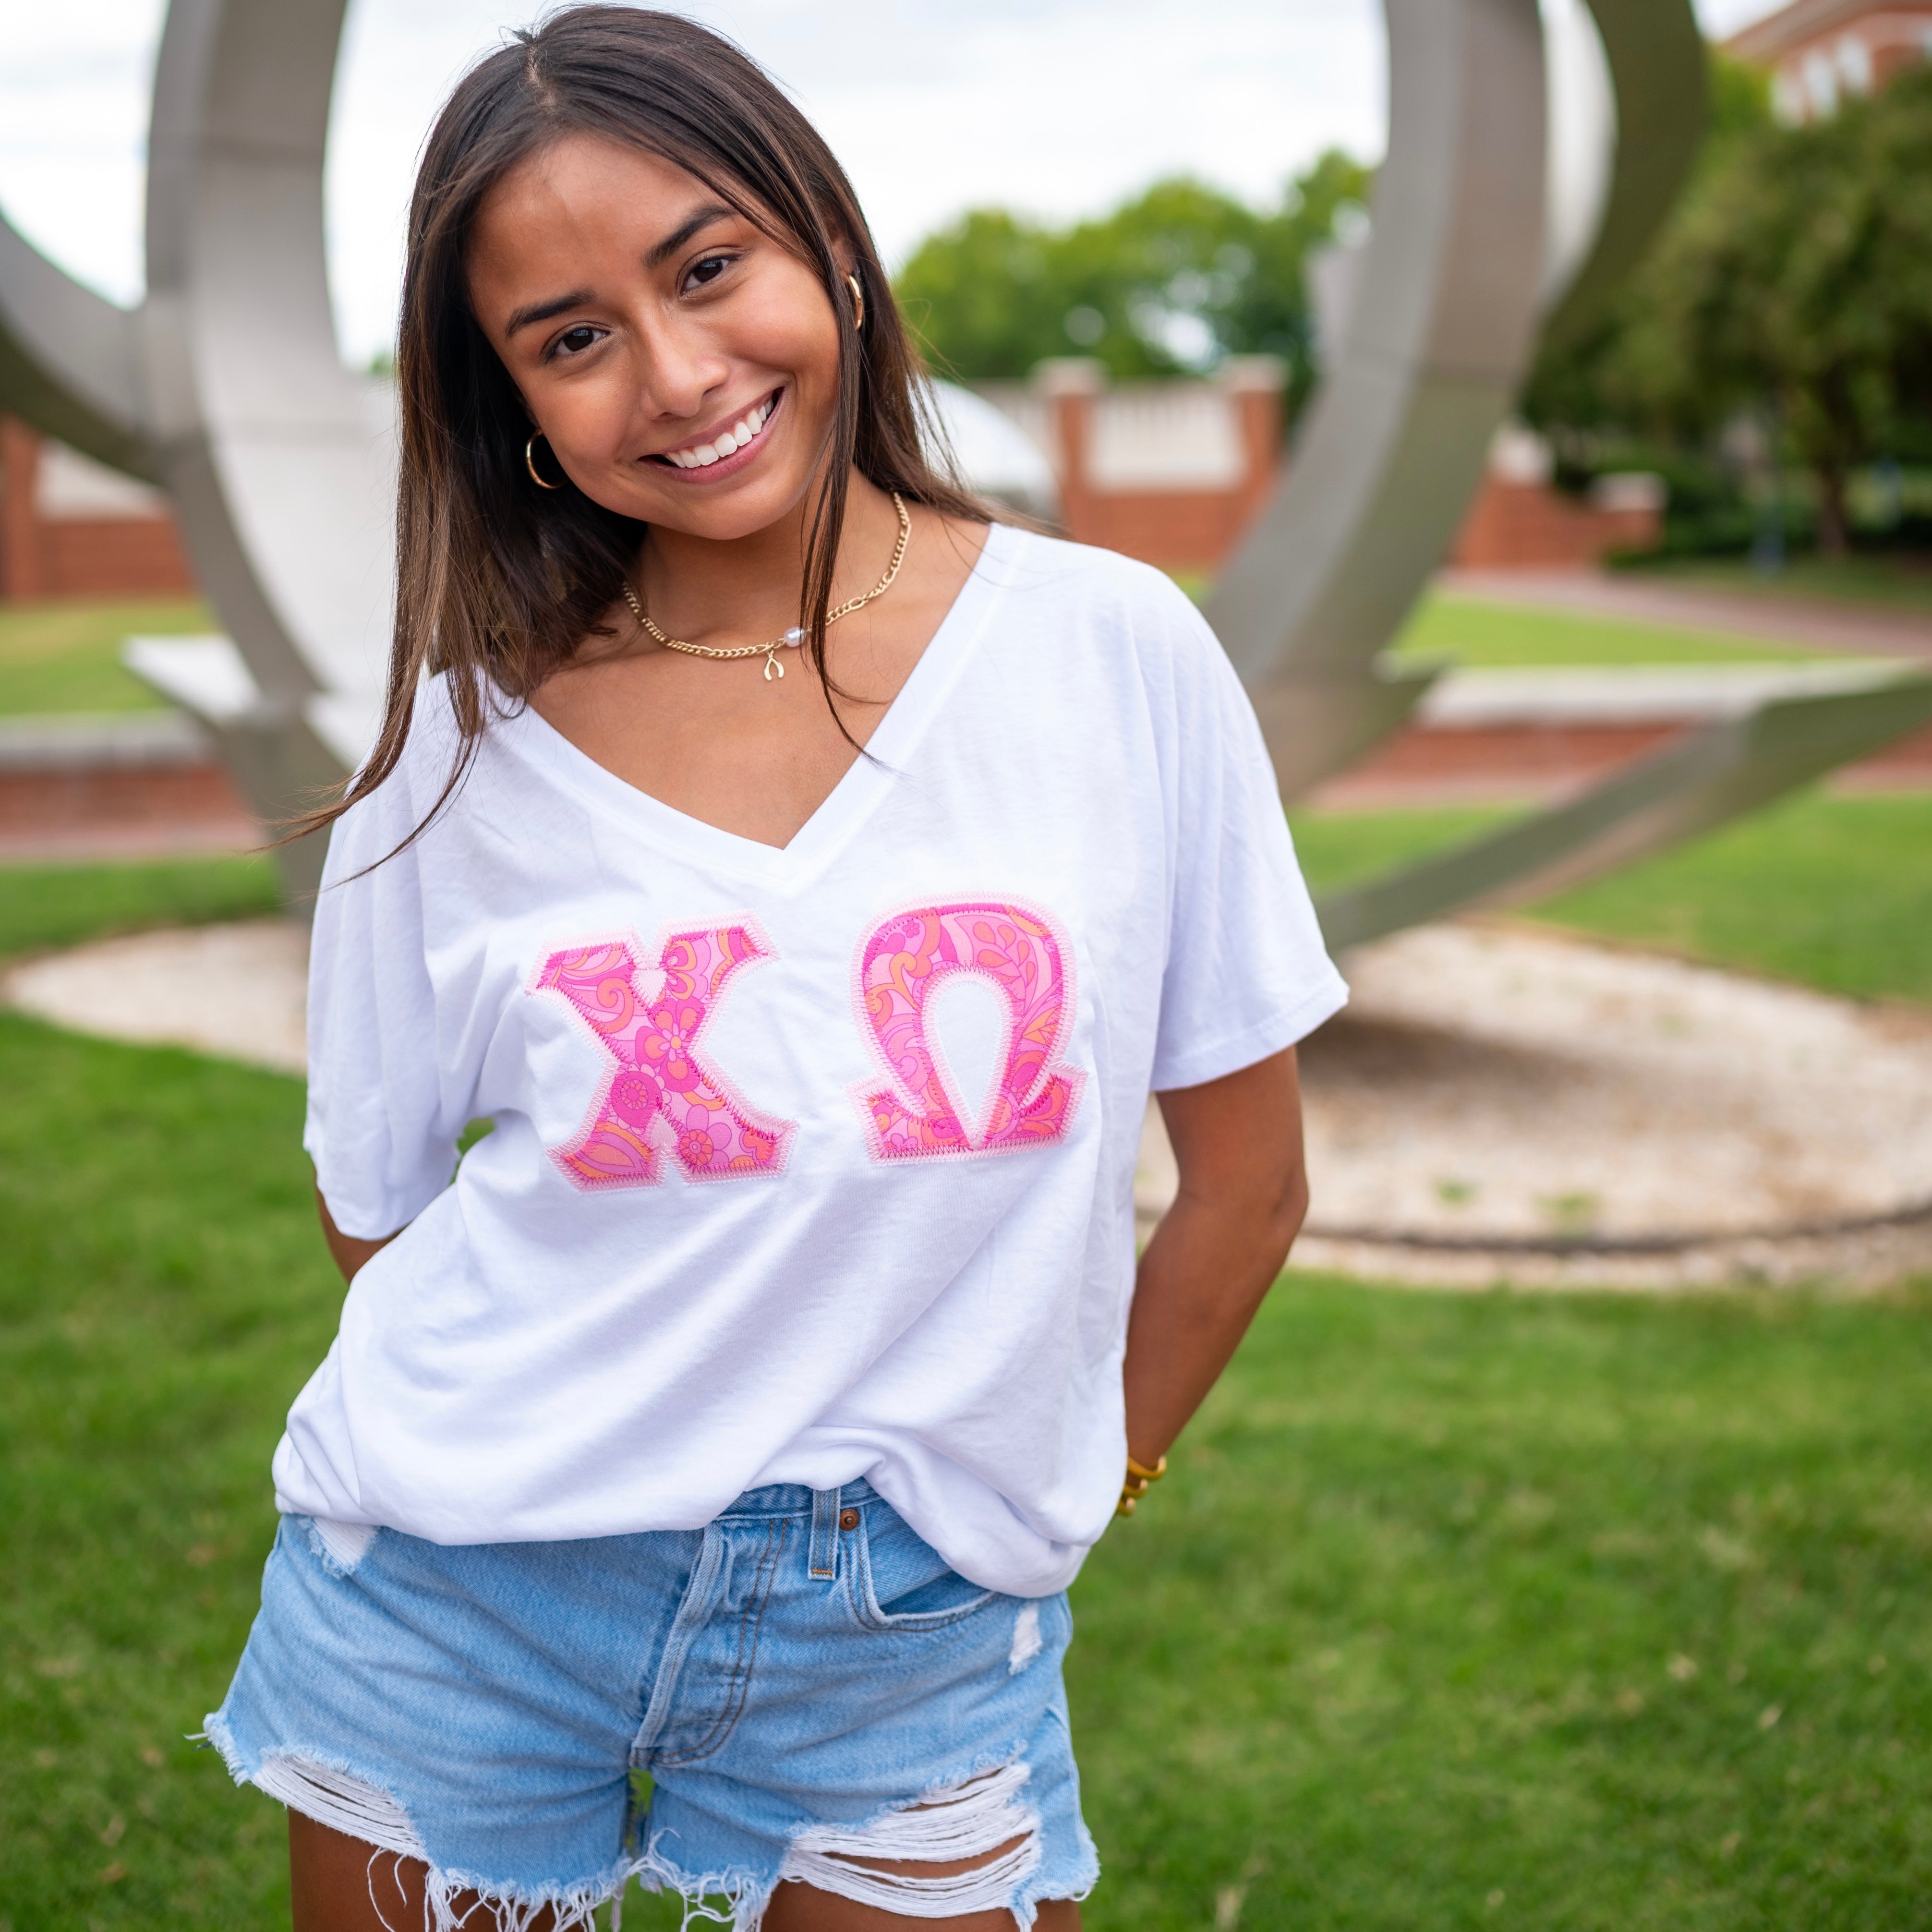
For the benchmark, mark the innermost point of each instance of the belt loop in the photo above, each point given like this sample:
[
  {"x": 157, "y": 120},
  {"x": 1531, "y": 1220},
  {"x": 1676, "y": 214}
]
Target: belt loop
[{"x": 825, "y": 1534}]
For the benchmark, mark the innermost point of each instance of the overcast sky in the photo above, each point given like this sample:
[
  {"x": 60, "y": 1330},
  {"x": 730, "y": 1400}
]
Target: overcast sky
[{"x": 1060, "y": 107}]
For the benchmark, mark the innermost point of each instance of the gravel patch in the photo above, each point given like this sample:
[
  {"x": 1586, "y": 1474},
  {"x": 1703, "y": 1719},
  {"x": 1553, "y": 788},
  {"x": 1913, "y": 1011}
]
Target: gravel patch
[
  {"x": 1504, "y": 1105},
  {"x": 238, "y": 992},
  {"x": 1494, "y": 1081}
]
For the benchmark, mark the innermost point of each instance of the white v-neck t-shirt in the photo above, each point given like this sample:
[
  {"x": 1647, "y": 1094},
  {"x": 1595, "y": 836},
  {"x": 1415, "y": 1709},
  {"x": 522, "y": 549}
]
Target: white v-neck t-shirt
[{"x": 808, "y": 1164}]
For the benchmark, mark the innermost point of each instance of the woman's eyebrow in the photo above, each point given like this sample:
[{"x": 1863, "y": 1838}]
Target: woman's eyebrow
[
  {"x": 693, "y": 224},
  {"x": 522, "y": 318},
  {"x": 700, "y": 219}
]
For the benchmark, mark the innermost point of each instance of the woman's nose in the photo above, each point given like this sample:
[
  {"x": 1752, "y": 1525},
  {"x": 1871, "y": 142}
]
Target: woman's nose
[{"x": 679, "y": 369}]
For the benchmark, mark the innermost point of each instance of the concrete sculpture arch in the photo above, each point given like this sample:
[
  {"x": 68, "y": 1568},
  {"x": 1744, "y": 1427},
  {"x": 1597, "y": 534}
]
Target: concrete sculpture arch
[
  {"x": 225, "y": 387},
  {"x": 1449, "y": 310},
  {"x": 1442, "y": 324}
]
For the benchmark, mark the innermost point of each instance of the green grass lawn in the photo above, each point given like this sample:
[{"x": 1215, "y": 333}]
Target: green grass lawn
[
  {"x": 66, "y": 656},
  {"x": 1491, "y": 636},
  {"x": 1495, "y": 636},
  {"x": 1458, "y": 1611},
  {"x": 42, "y": 907},
  {"x": 1834, "y": 892},
  {"x": 1339, "y": 848}
]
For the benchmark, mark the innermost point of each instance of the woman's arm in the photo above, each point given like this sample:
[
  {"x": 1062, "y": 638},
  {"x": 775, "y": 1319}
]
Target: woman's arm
[
  {"x": 350, "y": 1251},
  {"x": 1244, "y": 1193}
]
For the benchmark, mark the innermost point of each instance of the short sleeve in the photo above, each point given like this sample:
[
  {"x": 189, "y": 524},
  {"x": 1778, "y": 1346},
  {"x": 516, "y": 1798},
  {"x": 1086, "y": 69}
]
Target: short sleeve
[
  {"x": 382, "y": 1121},
  {"x": 1247, "y": 973}
]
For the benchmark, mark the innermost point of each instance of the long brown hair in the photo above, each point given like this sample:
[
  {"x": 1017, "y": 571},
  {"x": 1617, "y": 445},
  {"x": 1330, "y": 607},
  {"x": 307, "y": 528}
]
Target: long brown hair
[{"x": 497, "y": 580}]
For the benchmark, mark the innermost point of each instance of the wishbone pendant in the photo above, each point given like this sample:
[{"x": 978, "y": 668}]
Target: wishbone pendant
[{"x": 771, "y": 665}]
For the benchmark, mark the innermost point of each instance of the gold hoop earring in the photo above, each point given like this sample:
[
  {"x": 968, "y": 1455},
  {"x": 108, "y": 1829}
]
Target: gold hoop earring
[
  {"x": 858, "y": 302},
  {"x": 530, "y": 464}
]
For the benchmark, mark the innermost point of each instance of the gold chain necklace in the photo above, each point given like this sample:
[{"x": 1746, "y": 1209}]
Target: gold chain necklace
[{"x": 794, "y": 636}]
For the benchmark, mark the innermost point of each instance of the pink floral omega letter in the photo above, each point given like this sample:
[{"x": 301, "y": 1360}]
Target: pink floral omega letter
[
  {"x": 660, "y": 1094},
  {"x": 900, "y": 964}
]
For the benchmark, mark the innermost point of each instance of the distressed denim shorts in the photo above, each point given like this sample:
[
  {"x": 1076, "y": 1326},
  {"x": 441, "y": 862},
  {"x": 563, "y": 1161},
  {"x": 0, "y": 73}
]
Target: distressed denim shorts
[{"x": 805, "y": 1683}]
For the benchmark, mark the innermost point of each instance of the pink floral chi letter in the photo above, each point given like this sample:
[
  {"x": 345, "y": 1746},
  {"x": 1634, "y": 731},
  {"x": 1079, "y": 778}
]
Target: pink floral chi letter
[
  {"x": 661, "y": 1095},
  {"x": 900, "y": 964}
]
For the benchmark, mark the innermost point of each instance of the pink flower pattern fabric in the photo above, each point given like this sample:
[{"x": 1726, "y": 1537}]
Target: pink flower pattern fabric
[
  {"x": 661, "y": 1095},
  {"x": 900, "y": 964}
]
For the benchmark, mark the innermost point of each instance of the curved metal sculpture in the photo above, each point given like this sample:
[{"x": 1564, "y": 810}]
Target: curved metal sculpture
[
  {"x": 225, "y": 387},
  {"x": 1443, "y": 323},
  {"x": 1446, "y": 319},
  {"x": 1443, "y": 327},
  {"x": 283, "y": 486}
]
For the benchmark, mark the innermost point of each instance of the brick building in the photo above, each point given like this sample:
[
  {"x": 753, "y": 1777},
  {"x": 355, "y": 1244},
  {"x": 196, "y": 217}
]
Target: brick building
[
  {"x": 70, "y": 528},
  {"x": 1173, "y": 472},
  {"x": 1518, "y": 521},
  {"x": 1819, "y": 51}
]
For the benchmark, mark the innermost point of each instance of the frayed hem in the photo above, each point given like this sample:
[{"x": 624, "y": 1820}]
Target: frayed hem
[
  {"x": 334, "y": 1795},
  {"x": 514, "y": 1910},
  {"x": 214, "y": 1731},
  {"x": 1025, "y": 1909},
  {"x": 745, "y": 1897},
  {"x": 892, "y": 1862}
]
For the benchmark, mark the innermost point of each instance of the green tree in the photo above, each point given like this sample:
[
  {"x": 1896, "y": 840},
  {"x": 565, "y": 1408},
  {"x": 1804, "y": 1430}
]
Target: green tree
[
  {"x": 1267, "y": 313},
  {"x": 983, "y": 295},
  {"x": 1797, "y": 273},
  {"x": 1807, "y": 277},
  {"x": 1177, "y": 278},
  {"x": 1626, "y": 370}
]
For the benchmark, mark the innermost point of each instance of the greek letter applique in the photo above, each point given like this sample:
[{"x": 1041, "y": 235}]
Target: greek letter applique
[
  {"x": 900, "y": 963},
  {"x": 660, "y": 1096}
]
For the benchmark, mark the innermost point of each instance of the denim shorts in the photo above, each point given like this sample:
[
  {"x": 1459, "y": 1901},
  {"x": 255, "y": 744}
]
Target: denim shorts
[{"x": 804, "y": 1682}]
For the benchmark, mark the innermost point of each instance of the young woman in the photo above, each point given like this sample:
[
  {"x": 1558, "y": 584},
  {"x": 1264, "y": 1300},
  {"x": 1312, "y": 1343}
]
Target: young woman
[{"x": 809, "y": 876}]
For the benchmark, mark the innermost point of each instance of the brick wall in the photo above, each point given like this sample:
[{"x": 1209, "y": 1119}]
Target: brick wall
[
  {"x": 1170, "y": 472},
  {"x": 1514, "y": 526},
  {"x": 1174, "y": 473},
  {"x": 69, "y": 529}
]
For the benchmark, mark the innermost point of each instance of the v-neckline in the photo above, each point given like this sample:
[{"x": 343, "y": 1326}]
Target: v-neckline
[{"x": 840, "y": 813}]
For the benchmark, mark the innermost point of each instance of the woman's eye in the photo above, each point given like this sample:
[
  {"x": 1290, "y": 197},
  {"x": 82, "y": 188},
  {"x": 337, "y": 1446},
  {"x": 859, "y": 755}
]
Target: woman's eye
[
  {"x": 574, "y": 341},
  {"x": 708, "y": 270}
]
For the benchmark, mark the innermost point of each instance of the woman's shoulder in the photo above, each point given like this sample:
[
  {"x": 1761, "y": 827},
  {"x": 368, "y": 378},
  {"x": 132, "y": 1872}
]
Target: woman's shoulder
[
  {"x": 432, "y": 747},
  {"x": 1134, "y": 605}
]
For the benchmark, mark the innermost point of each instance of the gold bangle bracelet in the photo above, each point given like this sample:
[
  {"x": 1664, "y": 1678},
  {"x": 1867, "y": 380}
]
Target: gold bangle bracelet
[{"x": 1135, "y": 1487}]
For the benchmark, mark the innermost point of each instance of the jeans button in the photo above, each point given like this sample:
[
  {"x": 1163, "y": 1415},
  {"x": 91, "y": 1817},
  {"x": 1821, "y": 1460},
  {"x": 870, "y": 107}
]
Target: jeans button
[{"x": 848, "y": 1519}]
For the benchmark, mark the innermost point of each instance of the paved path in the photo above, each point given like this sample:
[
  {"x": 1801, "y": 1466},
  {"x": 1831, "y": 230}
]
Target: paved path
[{"x": 1864, "y": 630}]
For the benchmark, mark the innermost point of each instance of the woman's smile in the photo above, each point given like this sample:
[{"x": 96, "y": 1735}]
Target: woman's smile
[{"x": 725, "y": 450}]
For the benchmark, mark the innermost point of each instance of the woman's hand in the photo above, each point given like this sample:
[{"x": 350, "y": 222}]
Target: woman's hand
[
  {"x": 350, "y": 1251},
  {"x": 1244, "y": 1194}
]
